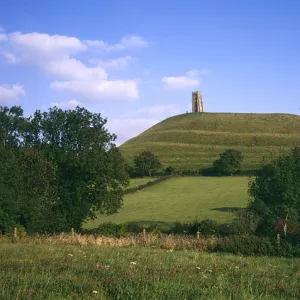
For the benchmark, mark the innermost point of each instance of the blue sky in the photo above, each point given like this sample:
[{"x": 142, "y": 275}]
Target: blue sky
[{"x": 137, "y": 62}]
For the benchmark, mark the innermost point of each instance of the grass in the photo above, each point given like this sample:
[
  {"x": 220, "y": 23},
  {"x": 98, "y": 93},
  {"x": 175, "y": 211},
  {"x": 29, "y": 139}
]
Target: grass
[
  {"x": 194, "y": 141},
  {"x": 89, "y": 272},
  {"x": 135, "y": 182},
  {"x": 182, "y": 199}
]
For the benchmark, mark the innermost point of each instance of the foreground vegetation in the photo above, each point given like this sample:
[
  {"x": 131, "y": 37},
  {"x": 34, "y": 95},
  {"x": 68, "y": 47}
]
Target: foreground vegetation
[
  {"x": 194, "y": 141},
  {"x": 182, "y": 199},
  {"x": 91, "y": 272}
]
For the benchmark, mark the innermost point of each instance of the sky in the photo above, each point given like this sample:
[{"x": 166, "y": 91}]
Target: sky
[{"x": 137, "y": 62}]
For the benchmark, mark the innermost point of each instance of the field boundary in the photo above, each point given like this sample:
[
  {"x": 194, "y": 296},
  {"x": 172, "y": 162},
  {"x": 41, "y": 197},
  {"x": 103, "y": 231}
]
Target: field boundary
[{"x": 148, "y": 184}]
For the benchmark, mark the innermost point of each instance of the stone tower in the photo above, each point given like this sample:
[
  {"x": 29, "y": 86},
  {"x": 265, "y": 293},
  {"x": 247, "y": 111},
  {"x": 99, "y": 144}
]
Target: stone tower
[{"x": 197, "y": 104}]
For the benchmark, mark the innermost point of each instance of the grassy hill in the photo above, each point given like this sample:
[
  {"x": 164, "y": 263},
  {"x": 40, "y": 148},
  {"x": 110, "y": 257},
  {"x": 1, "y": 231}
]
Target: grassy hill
[{"x": 194, "y": 140}]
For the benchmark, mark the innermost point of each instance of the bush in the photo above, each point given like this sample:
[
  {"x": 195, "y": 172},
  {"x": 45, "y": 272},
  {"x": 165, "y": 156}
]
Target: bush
[
  {"x": 253, "y": 246},
  {"x": 189, "y": 173},
  {"x": 206, "y": 227},
  {"x": 208, "y": 171},
  {"x": 229, "y": 162},
  {"x": 244, "y": 245},
  {"x": 245, "y": 223},
  {"x": 275, "y": 195},
  {"x": 170, "y": 170},
  {"x": 107, "y": 229},
  {"x": 209, "y": 227},
  {"x": 133, "y": 227},
  {"x": 179, "y": 228}
]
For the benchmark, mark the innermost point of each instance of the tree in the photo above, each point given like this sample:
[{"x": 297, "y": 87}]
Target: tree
[
  {"x": 12, "y": 125},
  {"x": 275, "y": 195},
  {"x": 229, "y": 162},
  {"x": 67, "y": 168},
  {"x": 10, "y": 189},
  {"x": 147, "y": 162}
]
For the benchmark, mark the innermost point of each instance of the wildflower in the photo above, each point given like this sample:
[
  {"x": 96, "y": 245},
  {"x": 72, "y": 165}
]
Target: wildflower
[
  {"x": 70, "y": 255},
  {"x": 204, "y": 276},
  {"x": 198, "y": 268},
  {"x": 133, "y": 263},
  {"x": 95, "y": 292},
  {"x": 236, "y": 267},
  {"x": 210, "y": 271}
]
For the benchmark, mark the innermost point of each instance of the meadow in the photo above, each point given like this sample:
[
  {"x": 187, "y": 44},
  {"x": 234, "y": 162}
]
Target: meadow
[
  {"x": 182, "y": 199},
  {"x": 195, "y": 140},
  {"x": 92, "y": 272}
]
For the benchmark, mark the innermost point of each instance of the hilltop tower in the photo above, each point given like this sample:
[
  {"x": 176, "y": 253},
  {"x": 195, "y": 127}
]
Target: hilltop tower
[{"x": 197, "y": 104}]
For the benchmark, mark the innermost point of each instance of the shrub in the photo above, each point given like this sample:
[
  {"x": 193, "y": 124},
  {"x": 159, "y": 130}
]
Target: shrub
[
  {"x": 179, "y": 228},
  {"x": 208, "y": 171},
  {"x": 189, "y": 172},
  {"x": 170, "y": 170},
  {"x": 206, "y": 227},
  {"x": 251, "y": 245},
  {"x": 209, "y": 227},
  {"x": 244, "y": 245},
  {"x": 245, "y": 223},
  {"x": 275, "y": 195},
  {"x": 133, "y": 227},
  {"x": 229, "y": 162},
  {"x": 108, "y": 229}
]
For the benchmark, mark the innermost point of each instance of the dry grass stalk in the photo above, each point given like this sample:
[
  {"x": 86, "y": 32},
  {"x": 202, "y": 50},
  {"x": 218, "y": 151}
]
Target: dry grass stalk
[{"x": 144, "y": 239}]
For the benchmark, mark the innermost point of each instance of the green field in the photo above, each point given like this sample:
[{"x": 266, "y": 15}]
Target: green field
[
  {"x": 92, "y": 272},
  {"x": 193, "y": 141},
  {"x": 183, "y": 199}
]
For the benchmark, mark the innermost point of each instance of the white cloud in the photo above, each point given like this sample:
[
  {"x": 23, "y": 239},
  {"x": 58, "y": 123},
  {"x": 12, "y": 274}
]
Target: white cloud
[
  {"x": 190, "y": 80},
  {"x": 67, "y": 104},
  {"x": 11, "y": 93},
  {"x": 116, "y": 63},
  {"x": 127, "y": 42},
  {"x": 3, "y": 36},
  {"x": 96, "y": 43},
  {"x": 105, "y": 90},
  {"x": 44, "y": 45},
  {"x": 54, "y": 54},
  {"x": 10, "y": 57},
  {"x": 71, "y": 68},
  {"x": 180, "y": 82}
]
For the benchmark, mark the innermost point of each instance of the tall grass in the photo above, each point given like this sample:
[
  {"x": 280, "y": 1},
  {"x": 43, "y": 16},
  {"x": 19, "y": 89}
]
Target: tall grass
[{"x": 61, "y": 271}]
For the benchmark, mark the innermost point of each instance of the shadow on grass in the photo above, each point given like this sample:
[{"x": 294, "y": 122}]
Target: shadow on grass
[{"x": 229, "y": 209}]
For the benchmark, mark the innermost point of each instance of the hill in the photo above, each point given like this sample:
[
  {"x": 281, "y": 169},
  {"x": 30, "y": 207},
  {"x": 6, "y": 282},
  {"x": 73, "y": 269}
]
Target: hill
[{"x": 194, "y": 140}]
